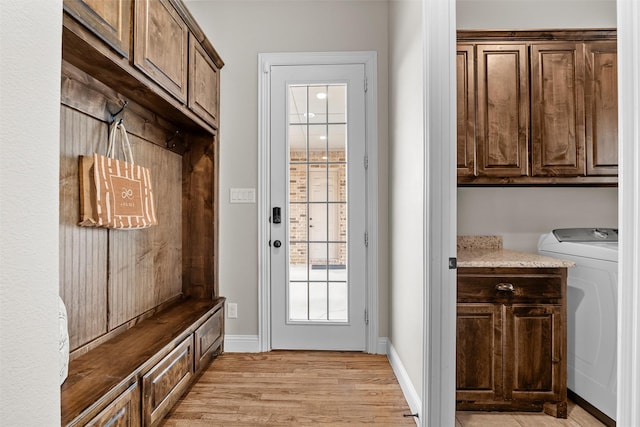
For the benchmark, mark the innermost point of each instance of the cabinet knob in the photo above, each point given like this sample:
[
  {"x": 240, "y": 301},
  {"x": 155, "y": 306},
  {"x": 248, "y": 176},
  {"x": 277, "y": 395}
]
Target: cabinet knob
[{"x": 505, "y": 287}]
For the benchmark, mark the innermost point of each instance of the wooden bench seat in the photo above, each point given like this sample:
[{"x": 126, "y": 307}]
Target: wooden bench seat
[{"x": 99, "y": 377}]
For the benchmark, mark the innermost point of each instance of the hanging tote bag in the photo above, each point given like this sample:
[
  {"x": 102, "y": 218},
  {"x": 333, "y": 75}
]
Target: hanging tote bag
[{"x": 120, "y": 193}]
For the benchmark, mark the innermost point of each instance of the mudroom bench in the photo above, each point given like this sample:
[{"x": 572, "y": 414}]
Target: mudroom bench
[{"x": 136, "y": 377}]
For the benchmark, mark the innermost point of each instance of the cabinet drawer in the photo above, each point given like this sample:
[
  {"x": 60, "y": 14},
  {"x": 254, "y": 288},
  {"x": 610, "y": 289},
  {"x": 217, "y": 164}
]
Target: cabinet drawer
[
  {"x": 206, "y": 337},
  {"x": 124, "y": 411},
  {"x": 163, "y": 385},
  {"x": 509, "y": 288}
]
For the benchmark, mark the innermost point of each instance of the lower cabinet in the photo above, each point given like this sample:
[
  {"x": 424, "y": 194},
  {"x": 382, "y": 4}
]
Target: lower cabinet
[
  {"x": 124, "y": 411},
  {"x": 206, "y": 338},
  {"x": 511, "y": 340},
  {"x": 163, "y": 385}
]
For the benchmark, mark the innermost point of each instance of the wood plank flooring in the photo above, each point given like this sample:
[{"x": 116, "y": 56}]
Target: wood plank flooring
[
  {"x": 578, "y": 417},
  {"x": 301, "y": 388}
]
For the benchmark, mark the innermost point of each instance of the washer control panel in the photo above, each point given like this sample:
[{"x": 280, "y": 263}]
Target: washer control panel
[{"x": 586, "y": 234}]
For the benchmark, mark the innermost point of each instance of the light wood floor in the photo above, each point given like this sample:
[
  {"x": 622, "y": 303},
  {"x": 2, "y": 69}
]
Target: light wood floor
[
  {"x": 287, "y": 388},
  {"x": 578, "y": 417}
]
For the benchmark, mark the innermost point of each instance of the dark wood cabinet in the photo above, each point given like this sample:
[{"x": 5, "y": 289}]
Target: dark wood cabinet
[
  {"x": 466, "y": 110},
  {"x": 601, "y": 108},
  {"x": 557, "y": 109},
  {"x": 161, "y": 45},
  {"x": 109, "y": 20},
  {"x": 144, "y": 308},
  {"x": 546, "y": 107},
  {"x": 479, "y": 356},
  {"x": 511, "y": 339},
  {"x": 503, "y": 110},
  {"x": 534, "y": 353},
  {"x": 204, "y": 83}
]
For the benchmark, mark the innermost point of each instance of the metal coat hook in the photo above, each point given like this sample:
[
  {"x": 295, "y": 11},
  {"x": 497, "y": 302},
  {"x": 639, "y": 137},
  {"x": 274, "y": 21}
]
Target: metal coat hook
[
  {"x": 172, "y": 144},
  {"x": 115, "y": 115}
]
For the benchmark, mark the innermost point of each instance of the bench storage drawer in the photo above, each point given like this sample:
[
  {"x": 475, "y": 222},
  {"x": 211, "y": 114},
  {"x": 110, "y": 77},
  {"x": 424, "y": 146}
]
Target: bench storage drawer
[
  {"x": 163, "y": 385},
  {"x": 207, "y": 337}
]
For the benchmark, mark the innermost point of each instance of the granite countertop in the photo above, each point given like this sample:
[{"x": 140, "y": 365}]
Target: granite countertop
[{"x": 487, "y": 251}]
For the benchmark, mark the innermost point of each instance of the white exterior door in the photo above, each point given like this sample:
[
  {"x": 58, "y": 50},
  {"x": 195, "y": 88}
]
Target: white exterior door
[{"x": 318, "y": 185}]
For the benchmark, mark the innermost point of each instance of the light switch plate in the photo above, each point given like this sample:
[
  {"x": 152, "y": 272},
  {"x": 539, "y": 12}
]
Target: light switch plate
[
  {"x": 242, "y": 195},
  {"x": 232, "y": 310}
]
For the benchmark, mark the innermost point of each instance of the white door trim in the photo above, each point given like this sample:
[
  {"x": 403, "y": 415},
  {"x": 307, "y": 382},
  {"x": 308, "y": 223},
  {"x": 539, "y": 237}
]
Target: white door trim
[
  {"x": 440, "y": 199},
  {"x": 265, "y": 62},
  {"x": 628, "y": 411}
]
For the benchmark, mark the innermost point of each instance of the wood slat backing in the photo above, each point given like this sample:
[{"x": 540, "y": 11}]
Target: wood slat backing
[
  {"x": 199, "y": 228},
  {"x": 109, "y": 278},
  {"x": 145, "y": 265},
  {"x": 83, "y": 255}
]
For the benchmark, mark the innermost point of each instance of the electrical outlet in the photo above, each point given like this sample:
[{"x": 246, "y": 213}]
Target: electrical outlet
[{"x": 232, "y": 310}]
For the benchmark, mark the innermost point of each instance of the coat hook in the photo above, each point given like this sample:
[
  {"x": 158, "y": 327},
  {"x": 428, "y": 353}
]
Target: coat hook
[
  {"x": 115, "y": 115},
  {"x": 169, "y": 143}
]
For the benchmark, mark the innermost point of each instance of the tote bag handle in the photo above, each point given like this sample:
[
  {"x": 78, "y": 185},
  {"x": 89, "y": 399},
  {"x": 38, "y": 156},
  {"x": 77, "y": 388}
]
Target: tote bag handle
[{"x": 118, "y": 127}]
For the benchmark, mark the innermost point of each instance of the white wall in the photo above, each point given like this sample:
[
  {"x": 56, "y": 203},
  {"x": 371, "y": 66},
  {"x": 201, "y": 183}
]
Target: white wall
[
  {"x": 535, "y": 14},
  {"x": 406, "y": 180},
  {"x": 520, "y": 215},
  {"x": 240, "y": 30},
  {"x": 30, "y": 40}
]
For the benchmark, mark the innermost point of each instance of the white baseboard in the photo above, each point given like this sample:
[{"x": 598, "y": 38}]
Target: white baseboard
[
  {"x": 241, "y": 344},
  {"x": 251, "y": 344},
  {"x": 410, "y": 393}
]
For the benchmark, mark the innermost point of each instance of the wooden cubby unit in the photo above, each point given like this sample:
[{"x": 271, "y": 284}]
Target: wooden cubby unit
[{"x": 142, "y": 304}]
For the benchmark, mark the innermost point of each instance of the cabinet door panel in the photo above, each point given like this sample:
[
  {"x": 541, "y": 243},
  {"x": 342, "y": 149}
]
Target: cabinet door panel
[
  {"x": 557, "y": 116},
  {"x": 601, "y": 108},
  {"x": 503, "y": 112},
  {"x": 479, "y": 352},
  {"x": 205, "y": 338},
  {"x": 203, "y": 83},
  {"x": 161, "y": 43},
  {"x": 163, "y": 385},
  {"x": 109, "y": 20},
  {"x": 534, "y": 339},
  {"x": 466, "y": 110}
]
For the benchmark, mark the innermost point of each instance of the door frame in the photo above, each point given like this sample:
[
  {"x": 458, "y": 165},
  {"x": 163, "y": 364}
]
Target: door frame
[
  {"x": 438, "y": 392},
  {"x": 265, "y": 62},
  {"x": 440, "y": 212}
]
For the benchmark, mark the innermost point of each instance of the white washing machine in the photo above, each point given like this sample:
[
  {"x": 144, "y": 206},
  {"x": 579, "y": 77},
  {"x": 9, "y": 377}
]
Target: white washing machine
[{"x": 592, "y": 289}]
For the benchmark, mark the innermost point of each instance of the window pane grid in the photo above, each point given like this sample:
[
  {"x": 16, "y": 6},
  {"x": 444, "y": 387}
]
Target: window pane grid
[{"x": 318, "y": 289}]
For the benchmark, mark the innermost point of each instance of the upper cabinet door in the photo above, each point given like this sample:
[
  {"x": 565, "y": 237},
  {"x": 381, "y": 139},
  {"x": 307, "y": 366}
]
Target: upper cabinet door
[
  {"x": 601, "y": 108},
  {"x": 557, "y": 109},
  {"x": 204, "y": 82},
  {"x": 466, "y": 106},
  {"x": 109, "y": 20},
  {"x": 503, "y": 110},
  {"x": 160, "y": 45}
]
